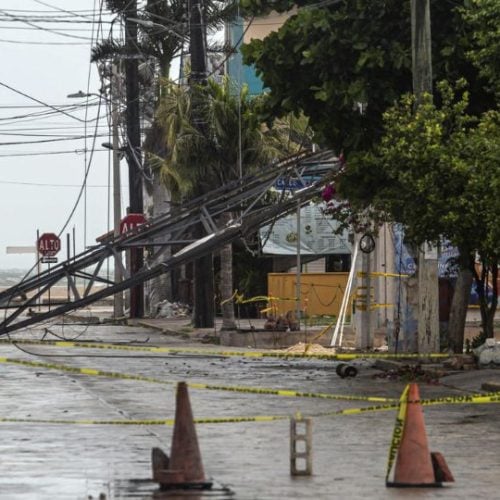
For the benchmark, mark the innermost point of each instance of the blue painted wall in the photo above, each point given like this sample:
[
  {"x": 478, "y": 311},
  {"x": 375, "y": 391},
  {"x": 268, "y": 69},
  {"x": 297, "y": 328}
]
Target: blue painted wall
[{"x": 238, "y": 72}]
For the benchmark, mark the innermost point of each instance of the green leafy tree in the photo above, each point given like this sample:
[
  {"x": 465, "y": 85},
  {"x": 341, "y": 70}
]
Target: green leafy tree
[
  {"x": 351, "y": 60},
  {"x": 483, "y": 16},
  {"x": 438, "y": 173}
]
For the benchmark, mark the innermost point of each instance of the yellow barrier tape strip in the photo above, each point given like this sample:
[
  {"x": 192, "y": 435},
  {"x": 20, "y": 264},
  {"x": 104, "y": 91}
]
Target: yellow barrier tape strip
[
  {"x": 362, "y": 274},
  {"x": 491, "y": 397},
  {"x": 375, "y": 355},
  {"x": 241, "y": 354},
  {"x": 398, "y": 431},
  {"x": 400, "y": 406},
  {"x": 287, "y": 393},
  {"x": 83, "y": 371},
  {"x": 194, "y": 385},
  {"x": 170, "y": 421},
  {"x": 461, "y": 399},
  {"x": 240, "y": 298},
  {"x": 322, "y": 332}
]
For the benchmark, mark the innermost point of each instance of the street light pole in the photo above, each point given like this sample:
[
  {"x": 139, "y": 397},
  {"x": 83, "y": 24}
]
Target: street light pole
[{"x": 115, "y": 146}]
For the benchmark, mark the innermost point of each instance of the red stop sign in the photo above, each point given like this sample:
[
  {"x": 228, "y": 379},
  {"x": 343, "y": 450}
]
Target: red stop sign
[
  {"x": 48, "y": 244},
  {"x": 131, "y": 222}
]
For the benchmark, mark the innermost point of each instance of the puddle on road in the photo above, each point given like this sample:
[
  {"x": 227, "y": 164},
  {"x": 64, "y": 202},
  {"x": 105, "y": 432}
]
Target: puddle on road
[{"x": 145, "y": 489}]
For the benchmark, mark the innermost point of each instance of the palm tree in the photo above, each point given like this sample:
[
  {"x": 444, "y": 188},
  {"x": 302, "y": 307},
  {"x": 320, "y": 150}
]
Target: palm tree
[
  {"x": 211, "y": 143},
  {"x": 163, "y": 33}
]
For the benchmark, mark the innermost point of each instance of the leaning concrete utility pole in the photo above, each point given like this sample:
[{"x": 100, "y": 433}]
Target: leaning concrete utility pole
[
  {"x": 133, "y": 150},
  {"x": 428, "y": 285}
]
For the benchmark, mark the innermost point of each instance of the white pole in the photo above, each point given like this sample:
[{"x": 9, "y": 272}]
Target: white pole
[
  {"x": 297, "y": 290},
  {"x": 345, "y": 300}
]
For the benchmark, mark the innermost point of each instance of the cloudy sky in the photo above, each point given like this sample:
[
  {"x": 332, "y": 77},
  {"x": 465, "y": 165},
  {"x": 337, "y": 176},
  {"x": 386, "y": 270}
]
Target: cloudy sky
[{"x": 46, "y": 138}]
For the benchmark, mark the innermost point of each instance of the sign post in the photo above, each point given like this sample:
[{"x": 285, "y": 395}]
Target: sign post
[{"x": 48, "y": 245}]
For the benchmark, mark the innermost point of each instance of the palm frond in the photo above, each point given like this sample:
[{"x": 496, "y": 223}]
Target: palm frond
[{"x": 105, "y": 50}]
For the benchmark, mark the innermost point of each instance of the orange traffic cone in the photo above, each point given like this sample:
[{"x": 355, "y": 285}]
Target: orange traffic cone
[
  {"x": 415, "y": 465},
  {"x": 184, "y": 469}
]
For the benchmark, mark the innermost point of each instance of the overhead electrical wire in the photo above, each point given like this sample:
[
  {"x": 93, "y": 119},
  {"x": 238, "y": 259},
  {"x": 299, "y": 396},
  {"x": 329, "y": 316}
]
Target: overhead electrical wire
[
  {"x": 44, "y": 184},
  {"x": 62, "y": 136},
  {"x": 39, "y": 101},
  {"x": 49, "y": 153},
  {"x": 41, "y": 141},
  {"x": 70, "y": 12},
  {"x": 60, "y": 111},
  {"x": 48, "y": 30}
]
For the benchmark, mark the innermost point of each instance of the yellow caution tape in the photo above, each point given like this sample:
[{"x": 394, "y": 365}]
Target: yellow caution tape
[
  {"x": 398, "y": 431},
  {"x": 169, "y": 421},
  {"x": 491, "y": 397},
  {"x": 396, "y": 438},
  {"x": 373, "y": 307},
  {"x": 322, "y": 332},
  {"x": 194, "y": 385},
  {"x": 287, "y": 393},
  {"x": 241, "y": 354},
  {"x": 461, "y": 399},
  {"x": 362, "y": 274},
  {"x": 83, "y": 371}
]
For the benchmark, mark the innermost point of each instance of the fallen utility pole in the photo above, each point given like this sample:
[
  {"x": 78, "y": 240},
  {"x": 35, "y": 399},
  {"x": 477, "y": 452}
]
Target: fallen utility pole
[{"x": 246, "y": 194}]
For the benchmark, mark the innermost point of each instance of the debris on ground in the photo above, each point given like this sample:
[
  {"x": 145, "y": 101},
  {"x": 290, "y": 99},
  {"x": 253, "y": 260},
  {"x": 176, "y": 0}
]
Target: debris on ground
[
  {"x": 287, "y": 323},
  {"x": 460, "y": 362},
  {"x": 488, "y": 353},
  {"x": 303, "y": 348},
  {"x": 411, "y": 373},
  {"x": 166, "y": 309}
]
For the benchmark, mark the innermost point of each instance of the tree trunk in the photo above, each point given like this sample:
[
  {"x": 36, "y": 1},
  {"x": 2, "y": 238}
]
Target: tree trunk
[
  {"x": 226, "y": 287},
  {"x": 226, "y": 281},
  {"x": 458, "y": 310},
  {"x": 160, "y": 288},
  {"x": 158, "y": 203},
  {"x": 487, "y": 312}
]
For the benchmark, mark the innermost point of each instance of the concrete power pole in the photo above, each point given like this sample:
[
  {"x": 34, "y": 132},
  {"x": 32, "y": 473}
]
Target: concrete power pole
[
  {"x": 118, "y": 275},
  {"x": 134, "y": 149},
  {"x": 428, "y": 296},
  {"x": 203, "y": 316}
]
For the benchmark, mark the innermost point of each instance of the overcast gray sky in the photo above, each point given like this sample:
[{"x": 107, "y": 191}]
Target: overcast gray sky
[{"x": 43, "y": 60}]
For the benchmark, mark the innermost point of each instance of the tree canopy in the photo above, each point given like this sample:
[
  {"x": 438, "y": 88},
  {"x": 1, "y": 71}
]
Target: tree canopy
[
  {"x": 207, "y": 128},
  {"x": 436, "y": 170},
  {"x": 350, "y": 61},
  {"x": 484, "y": 18}
]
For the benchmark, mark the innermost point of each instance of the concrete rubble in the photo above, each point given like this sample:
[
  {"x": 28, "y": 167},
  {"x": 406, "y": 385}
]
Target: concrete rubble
[{"x": 488, "y": 353}]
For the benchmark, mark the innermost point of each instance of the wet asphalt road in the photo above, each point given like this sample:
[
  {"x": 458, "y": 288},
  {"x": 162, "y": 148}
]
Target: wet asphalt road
[{"x": 251, "y": 459}]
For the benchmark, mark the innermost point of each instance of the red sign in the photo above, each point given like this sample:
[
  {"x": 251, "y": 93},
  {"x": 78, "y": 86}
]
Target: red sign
[
  {"x": 48, "y": 244},
  {"x": 131, "y": 222}
]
